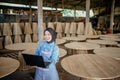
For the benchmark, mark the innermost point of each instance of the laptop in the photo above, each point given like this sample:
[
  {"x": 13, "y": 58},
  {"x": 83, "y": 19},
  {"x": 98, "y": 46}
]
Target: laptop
[{"x": 35, "y": 60}]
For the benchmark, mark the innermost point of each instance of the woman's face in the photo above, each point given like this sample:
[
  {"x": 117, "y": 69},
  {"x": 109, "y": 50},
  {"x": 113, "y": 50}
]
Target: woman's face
[{"x": 47, "y": 36}]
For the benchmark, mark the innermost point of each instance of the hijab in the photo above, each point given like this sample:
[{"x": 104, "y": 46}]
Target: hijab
[{"x": 53, "y": 34}]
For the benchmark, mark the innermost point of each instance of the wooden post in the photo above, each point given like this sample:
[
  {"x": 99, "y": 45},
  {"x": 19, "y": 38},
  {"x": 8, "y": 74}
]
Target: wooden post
[
  {"x": 30, "y": 15},
  {"x": 87, "y": 16},
  {"x": 75, "y": 13},
  {"x": 56, "y": 15},
  {"x": 87, "y": 11},
  {"x": 112, "y": 16},
  {"x": 40, "y": 20}
]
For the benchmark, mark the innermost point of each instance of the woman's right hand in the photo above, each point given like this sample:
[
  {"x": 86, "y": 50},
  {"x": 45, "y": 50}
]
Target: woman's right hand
[{"x": 34, "y": 66}]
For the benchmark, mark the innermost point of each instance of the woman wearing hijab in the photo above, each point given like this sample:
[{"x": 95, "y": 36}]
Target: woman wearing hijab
[{"x": 50, "y": 53}]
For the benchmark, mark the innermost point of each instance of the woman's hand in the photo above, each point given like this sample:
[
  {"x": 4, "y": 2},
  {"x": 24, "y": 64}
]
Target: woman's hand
[{"x": 34, "y": 66}]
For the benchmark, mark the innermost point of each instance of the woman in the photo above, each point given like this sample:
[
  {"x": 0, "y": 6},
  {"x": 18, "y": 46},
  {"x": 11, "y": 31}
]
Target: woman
[{"x": 50, "y": 53}]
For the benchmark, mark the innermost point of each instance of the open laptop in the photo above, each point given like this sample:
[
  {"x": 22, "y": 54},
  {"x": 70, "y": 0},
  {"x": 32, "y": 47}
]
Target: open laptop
[{"x": 35, "y": 60}]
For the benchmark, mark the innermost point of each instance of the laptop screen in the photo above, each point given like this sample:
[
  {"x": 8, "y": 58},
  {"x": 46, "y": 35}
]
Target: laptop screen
[{"x": 35, "y": 60}]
